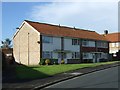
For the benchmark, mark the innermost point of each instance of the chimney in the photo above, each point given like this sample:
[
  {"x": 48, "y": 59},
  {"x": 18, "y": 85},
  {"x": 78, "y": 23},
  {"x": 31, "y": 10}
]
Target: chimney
[
  {"x": 17, "y": 28},
  {"x": 106, "y": 32},
  {"x": 74, "y": 28},
  {"x": 59, "y": 25}
]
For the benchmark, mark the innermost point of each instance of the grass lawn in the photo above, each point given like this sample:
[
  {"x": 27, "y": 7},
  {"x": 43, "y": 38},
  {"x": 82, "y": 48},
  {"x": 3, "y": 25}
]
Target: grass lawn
[{"x": 31, "y": 72}]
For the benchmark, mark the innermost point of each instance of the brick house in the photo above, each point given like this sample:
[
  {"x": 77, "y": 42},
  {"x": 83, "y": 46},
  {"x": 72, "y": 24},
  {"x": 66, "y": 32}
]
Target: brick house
[{"x": 34, "y": 40}]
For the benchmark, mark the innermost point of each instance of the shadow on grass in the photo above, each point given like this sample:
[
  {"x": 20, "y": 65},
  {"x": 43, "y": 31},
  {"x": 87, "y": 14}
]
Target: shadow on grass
[{"x": 21, "y": 73}]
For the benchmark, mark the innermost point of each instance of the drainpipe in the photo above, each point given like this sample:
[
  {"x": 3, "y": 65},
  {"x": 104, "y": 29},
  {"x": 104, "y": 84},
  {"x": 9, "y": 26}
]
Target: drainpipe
[
  {"x": 62, "y": 47},
  {"x": 28, "y": 48},
  {"x": 40, "y": 46},
  {"x": 108, "y": 51},
  {"x": 96, "y": 51},
  {"x": 81, "y": 51}
]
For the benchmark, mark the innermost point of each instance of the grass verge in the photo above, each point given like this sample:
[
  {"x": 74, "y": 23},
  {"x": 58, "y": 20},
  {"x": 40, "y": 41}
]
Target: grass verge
[{"x": 32, "y": 72}]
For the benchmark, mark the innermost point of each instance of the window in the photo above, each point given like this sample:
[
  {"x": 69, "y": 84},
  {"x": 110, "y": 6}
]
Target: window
[
  {"x": 117, "y": 44},
  {"x": 85, "y": 43},
  {"x": 75, "y": 42},
  {"x": 76, "y": 55},
  {"x": 47, "y": 39},
  {"x": 99, "y": 55},
  {"x": 47, "y": 54},
  {"x": 105, "y": 44},
  {"x": 85, "y": 55},
  {"x": 113, "y": 44},
  {"x": 102, "y": 44}
]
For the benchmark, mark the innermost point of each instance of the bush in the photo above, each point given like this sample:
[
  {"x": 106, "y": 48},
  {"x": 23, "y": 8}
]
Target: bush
[
  {"x": 42, "y": 61},
  {"x": 62, "y": 61},
  {"x": 47, "y": 61},
  {"x": 51, "y": 61}
]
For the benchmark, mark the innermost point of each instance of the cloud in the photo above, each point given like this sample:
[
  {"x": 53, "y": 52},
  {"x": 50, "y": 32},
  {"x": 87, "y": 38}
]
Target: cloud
[
  {"x": 60, "y": 0},
  {"x": 88, "y": 15}
]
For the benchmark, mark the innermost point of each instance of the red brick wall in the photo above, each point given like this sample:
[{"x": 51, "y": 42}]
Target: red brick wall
[{"x": 88, "y": 49}]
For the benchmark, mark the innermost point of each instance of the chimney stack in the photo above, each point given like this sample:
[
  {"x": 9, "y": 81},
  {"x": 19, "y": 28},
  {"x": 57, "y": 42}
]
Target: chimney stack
[
  {"x": 17, "y": 28},
  {"x": 74, "y": 28},
  {"x": 59, "y": 25},
  {"x": 106, "y": 32}
]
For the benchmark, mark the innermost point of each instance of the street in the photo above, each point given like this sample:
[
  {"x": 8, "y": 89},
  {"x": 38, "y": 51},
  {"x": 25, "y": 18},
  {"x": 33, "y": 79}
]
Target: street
[{"x": 107, "y": 78}]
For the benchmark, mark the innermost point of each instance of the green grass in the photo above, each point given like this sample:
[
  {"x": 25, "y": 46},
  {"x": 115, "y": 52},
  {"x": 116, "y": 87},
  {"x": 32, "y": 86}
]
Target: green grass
[{"x": 31, "y": 72}]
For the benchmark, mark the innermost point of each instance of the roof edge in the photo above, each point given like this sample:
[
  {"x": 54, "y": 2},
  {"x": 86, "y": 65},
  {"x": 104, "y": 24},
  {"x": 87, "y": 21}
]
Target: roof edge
[{"x": 59, "y": 26}]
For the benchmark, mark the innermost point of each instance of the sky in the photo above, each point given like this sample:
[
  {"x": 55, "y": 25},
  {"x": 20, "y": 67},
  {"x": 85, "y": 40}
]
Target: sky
[{"x": 95, "y": 15}]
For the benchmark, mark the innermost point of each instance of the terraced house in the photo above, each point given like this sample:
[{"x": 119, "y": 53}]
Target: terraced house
[{"x": 34, "y": 40}]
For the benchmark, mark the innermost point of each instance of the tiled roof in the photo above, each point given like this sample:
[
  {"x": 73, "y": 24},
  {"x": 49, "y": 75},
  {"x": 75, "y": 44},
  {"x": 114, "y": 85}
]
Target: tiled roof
[
  {"x": 63, "y": 31},
  {"x": 113, "y": 37}
]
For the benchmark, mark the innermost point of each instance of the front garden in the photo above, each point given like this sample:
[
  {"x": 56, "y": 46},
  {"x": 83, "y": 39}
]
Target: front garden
[{"x": 43, "y": 71}]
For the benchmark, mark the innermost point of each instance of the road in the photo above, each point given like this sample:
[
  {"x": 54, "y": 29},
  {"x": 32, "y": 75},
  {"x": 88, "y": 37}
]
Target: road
[{"x": 107, "y": 78}]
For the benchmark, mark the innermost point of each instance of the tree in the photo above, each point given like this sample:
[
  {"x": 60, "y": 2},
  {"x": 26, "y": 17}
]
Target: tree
[{"x": 6, "y": 43}]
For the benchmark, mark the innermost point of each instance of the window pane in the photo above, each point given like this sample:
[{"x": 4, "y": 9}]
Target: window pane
[
  {"x": 47, "y": 39},
  {"x": 113, "y": 44},
  {"x": 75, "y": 42},
  {"x": 75, "y": 55}
]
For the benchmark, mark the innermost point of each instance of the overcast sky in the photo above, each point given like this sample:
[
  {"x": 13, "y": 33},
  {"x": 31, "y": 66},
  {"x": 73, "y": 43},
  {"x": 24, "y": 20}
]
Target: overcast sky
[{"x": 95, "y": 15}]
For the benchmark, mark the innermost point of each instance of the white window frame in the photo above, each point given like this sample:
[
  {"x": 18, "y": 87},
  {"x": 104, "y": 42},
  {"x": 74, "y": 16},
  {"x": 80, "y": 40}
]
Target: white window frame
[
  {"x": 75, "y": 42},
  {"x": 117, "y": 44},
  {"x": 113, "y": 44},
  {"x": 75, "y": 55},
  {"x": 47, "y": 39},
  {"x": 85, "y": 43}
]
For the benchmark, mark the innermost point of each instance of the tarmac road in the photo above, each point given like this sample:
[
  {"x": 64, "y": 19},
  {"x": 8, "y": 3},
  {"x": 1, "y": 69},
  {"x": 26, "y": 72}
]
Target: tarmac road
[{"x": 107, "y": 78}]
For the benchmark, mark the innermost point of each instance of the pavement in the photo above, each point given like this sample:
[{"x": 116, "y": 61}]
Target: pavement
[
  {"x": 107, "y": 78},
  {"x": 42, "y": 83}
]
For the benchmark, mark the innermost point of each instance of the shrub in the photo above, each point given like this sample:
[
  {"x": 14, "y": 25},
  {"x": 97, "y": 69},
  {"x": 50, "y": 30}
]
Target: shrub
[
  {"x": 47, "y": 61},
  {"x": 62, "y": 61},
  {"x": 42, "y": 61}
]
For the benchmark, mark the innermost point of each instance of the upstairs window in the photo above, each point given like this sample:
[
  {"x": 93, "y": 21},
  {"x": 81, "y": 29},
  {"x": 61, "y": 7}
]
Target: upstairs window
[
  {"x": 47, "y": 39},
  {"x": 85, "y": 43},
  {"x": 117, "y": 44},
  {"x": 102, "y": 44},
  {"x": 75, "y": 42}
]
